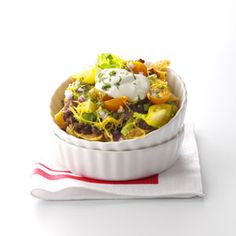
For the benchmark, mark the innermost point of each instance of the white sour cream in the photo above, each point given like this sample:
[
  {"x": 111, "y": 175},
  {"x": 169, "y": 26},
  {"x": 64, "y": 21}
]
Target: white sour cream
[{"x": 120, "y": 82}]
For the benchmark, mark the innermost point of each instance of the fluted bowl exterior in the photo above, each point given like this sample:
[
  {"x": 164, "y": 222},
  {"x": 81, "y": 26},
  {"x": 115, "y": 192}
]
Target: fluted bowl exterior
[{"x": 119, "y": 165}]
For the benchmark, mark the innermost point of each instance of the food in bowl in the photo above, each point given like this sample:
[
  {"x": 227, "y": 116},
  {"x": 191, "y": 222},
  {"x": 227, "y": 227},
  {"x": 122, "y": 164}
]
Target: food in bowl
[{"x": 117, "y": 100}]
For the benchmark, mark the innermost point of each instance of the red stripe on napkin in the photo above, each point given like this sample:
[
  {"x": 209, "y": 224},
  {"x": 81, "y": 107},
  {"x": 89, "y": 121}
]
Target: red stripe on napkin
[
  {"x": 64, "y": 171},
  {"x": 149, "y": 180}
]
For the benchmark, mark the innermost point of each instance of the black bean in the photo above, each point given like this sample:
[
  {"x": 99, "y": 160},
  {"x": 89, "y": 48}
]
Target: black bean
[
  {"x": 87, "y": 129},
  {"x": 143, "y": 125},
  {"x": 116, "y": 135},
  {"x": 96, "y": 131},
  {"x": 77, "y": 127},
  {"x": 67, "y": 114}
]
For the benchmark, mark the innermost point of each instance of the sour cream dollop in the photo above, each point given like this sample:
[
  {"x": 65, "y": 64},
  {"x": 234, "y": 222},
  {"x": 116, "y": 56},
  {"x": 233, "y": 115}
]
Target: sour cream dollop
[{"x": 120, "y": 82}]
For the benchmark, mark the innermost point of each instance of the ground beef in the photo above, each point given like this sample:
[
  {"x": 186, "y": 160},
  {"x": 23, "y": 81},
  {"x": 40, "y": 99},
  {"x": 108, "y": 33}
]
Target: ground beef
[
  {"x": 126, "y": 115},
  {"x": 139, "y": 106},
  {"x": 69, "y": 118},
  {"x": 77, "y": 127}
]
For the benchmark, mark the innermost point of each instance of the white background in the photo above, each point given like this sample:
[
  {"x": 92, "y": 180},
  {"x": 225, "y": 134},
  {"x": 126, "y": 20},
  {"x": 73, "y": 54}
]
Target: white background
[{"x": 43, "y": 42}]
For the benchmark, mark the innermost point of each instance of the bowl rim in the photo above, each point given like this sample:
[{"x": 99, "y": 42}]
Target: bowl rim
[
  {"x": 84, "y": 142},
  {"x": 161, "y": 145}
]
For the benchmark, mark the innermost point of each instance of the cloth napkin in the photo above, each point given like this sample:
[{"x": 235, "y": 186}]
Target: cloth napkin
[{"x": 183, "y": 180}]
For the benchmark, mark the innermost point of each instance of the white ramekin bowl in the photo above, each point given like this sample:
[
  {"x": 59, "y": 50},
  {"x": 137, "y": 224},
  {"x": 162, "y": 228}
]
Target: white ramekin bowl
[
  {"x": 119, "y": 165},
  {"x": 166, "y": 132}
]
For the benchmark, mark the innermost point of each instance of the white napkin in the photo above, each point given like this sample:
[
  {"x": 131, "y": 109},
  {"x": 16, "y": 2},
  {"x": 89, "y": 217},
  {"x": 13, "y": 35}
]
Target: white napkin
[{"x": 183, "y": 180}]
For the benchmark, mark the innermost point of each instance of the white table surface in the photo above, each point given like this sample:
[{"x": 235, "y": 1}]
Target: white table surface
[{"x": 43, "y": 42}]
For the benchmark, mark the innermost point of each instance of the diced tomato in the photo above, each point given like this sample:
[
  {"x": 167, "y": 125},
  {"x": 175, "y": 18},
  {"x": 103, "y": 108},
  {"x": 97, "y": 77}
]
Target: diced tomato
[
  {"x": 59, "y": 119},
  {"x": 106, "y": 97},
  {"x": 115, "y": 103},
  {"x": 159, "y": 97},
  {"x": 137, "y": 67}
]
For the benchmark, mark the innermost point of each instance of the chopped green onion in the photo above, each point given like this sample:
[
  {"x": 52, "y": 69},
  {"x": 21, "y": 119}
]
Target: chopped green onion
[
  {"x": 111, "y": 73},
  {"x": 106, "y": 86}
]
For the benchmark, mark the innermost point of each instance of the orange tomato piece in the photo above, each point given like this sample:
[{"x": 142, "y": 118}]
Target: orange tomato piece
[
  {"x": 160, "y": 97},
  {"x": 106, "y": 97},
  {"x": 59, "y": 119},
  {"x": 115, "y": 103},
  {"x": 137, "y": 67},
  {"x": 160, "y": 68}
]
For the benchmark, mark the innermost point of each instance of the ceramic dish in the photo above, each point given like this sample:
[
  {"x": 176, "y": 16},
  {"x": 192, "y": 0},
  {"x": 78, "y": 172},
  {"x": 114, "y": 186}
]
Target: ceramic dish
[
  {"x": 156, "y": 137},
  {"x": 119, "y": 165}
]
